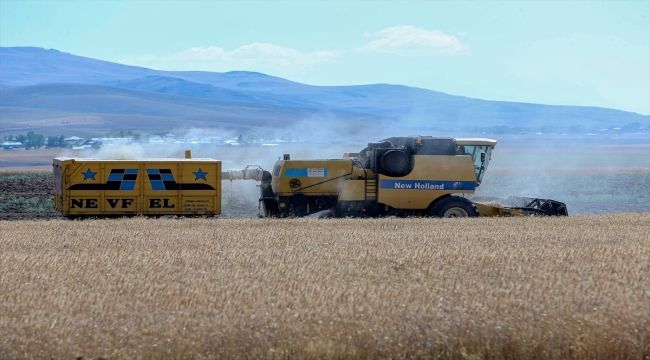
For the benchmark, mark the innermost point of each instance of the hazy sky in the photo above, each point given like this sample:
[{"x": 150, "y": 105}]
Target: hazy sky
[{"x": 551, "y": 52}]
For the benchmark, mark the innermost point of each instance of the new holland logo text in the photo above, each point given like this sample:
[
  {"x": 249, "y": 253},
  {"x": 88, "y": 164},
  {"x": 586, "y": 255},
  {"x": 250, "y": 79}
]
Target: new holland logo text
[
  {"x": 418, "y": 186},
  {"x": 427, "y": 185}
]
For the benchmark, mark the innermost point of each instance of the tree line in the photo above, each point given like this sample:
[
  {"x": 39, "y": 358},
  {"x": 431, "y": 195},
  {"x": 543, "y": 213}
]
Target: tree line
[
  {"x": 553, "y": 129},
  {"x": 32, "y": 140}
]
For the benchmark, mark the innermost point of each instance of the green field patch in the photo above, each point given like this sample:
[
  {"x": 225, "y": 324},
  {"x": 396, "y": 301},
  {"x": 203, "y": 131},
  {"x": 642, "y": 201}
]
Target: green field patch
[
  {"x": 24, "y": 174},
  {"x": 33, "y": 204}
]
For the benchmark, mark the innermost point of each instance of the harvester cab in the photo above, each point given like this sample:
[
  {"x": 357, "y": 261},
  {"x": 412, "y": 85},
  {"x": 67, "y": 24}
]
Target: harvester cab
[
  {"x": 400, "y": 176},
  {"x": 481, "y": 152}
]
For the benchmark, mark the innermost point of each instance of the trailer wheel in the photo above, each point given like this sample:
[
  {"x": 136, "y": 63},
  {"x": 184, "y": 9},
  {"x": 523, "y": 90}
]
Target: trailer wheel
[{"x": 453, "y": 206}]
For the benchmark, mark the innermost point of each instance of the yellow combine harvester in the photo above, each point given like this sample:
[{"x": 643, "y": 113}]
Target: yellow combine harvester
[{"x": 399, "y": 176}]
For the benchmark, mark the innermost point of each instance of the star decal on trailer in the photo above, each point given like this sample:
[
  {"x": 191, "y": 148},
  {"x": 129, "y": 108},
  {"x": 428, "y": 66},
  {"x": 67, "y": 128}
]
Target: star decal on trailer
[
  {"x": 200, "y": 175},
  {"x": 89, "y": 175}
]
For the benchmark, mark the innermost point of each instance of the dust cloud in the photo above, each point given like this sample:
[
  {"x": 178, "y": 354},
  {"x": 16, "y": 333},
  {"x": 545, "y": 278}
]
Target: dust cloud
[{"x": 589, "y": 174}]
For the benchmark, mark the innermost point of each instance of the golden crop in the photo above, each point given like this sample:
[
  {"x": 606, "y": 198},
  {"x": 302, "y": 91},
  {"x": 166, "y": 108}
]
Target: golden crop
[{"x": 518, "y": 288}]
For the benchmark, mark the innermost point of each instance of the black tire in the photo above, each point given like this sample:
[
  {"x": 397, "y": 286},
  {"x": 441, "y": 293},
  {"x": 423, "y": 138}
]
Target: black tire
[{"x": 453, "y": 206}]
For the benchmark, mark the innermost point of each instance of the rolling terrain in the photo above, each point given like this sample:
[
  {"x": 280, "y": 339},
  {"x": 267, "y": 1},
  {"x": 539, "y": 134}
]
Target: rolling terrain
[
  {"x": 42, "y": 86},
  {"x": 108, "y": 107}
]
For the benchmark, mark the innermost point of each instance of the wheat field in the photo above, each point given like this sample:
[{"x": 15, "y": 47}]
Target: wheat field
[{"x": 487, "y": 288}]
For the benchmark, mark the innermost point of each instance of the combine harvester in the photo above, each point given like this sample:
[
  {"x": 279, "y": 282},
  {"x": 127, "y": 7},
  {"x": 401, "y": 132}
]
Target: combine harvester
[{"x": 399, "y": 176}]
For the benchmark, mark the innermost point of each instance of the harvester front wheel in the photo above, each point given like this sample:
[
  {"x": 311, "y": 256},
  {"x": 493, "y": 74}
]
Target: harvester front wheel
[{"x": 453, "y": 206}]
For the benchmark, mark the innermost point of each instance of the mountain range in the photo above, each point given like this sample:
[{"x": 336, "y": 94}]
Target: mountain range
[{"x": 55, "y": 92}]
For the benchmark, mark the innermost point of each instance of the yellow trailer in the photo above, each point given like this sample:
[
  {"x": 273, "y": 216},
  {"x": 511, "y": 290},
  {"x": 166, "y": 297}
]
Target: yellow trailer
[{"x": 94, "y": 187}]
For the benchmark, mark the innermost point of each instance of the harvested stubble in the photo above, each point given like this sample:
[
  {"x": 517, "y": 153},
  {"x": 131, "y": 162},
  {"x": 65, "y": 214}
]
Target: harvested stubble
[{"x": 575, "y": 287}]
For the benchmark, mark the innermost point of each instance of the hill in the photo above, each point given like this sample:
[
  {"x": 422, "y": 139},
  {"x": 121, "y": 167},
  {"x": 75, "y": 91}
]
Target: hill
[
  {"x": 180, "y": 86},
  {"x": 40, "y": 84},
  {"x": 93, "y": 109}
]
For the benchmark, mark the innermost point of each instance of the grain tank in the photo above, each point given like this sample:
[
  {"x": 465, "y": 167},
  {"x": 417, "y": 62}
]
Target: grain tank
[{"x": 95, "y": 187}]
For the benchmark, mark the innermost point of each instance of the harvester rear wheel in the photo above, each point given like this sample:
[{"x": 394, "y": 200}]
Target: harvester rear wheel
[{"x": 453, "y": 206}]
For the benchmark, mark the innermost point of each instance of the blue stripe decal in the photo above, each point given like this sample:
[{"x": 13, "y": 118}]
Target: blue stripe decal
[
  {"x": 157, "y": 185},
  {"x": 427, "y": 185},
  {"x": 296, "y": 172},
  {"x": 127, "y": 185}
]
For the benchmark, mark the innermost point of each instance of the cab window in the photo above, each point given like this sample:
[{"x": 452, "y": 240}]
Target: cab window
[{"x": 475, "y": 152}]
